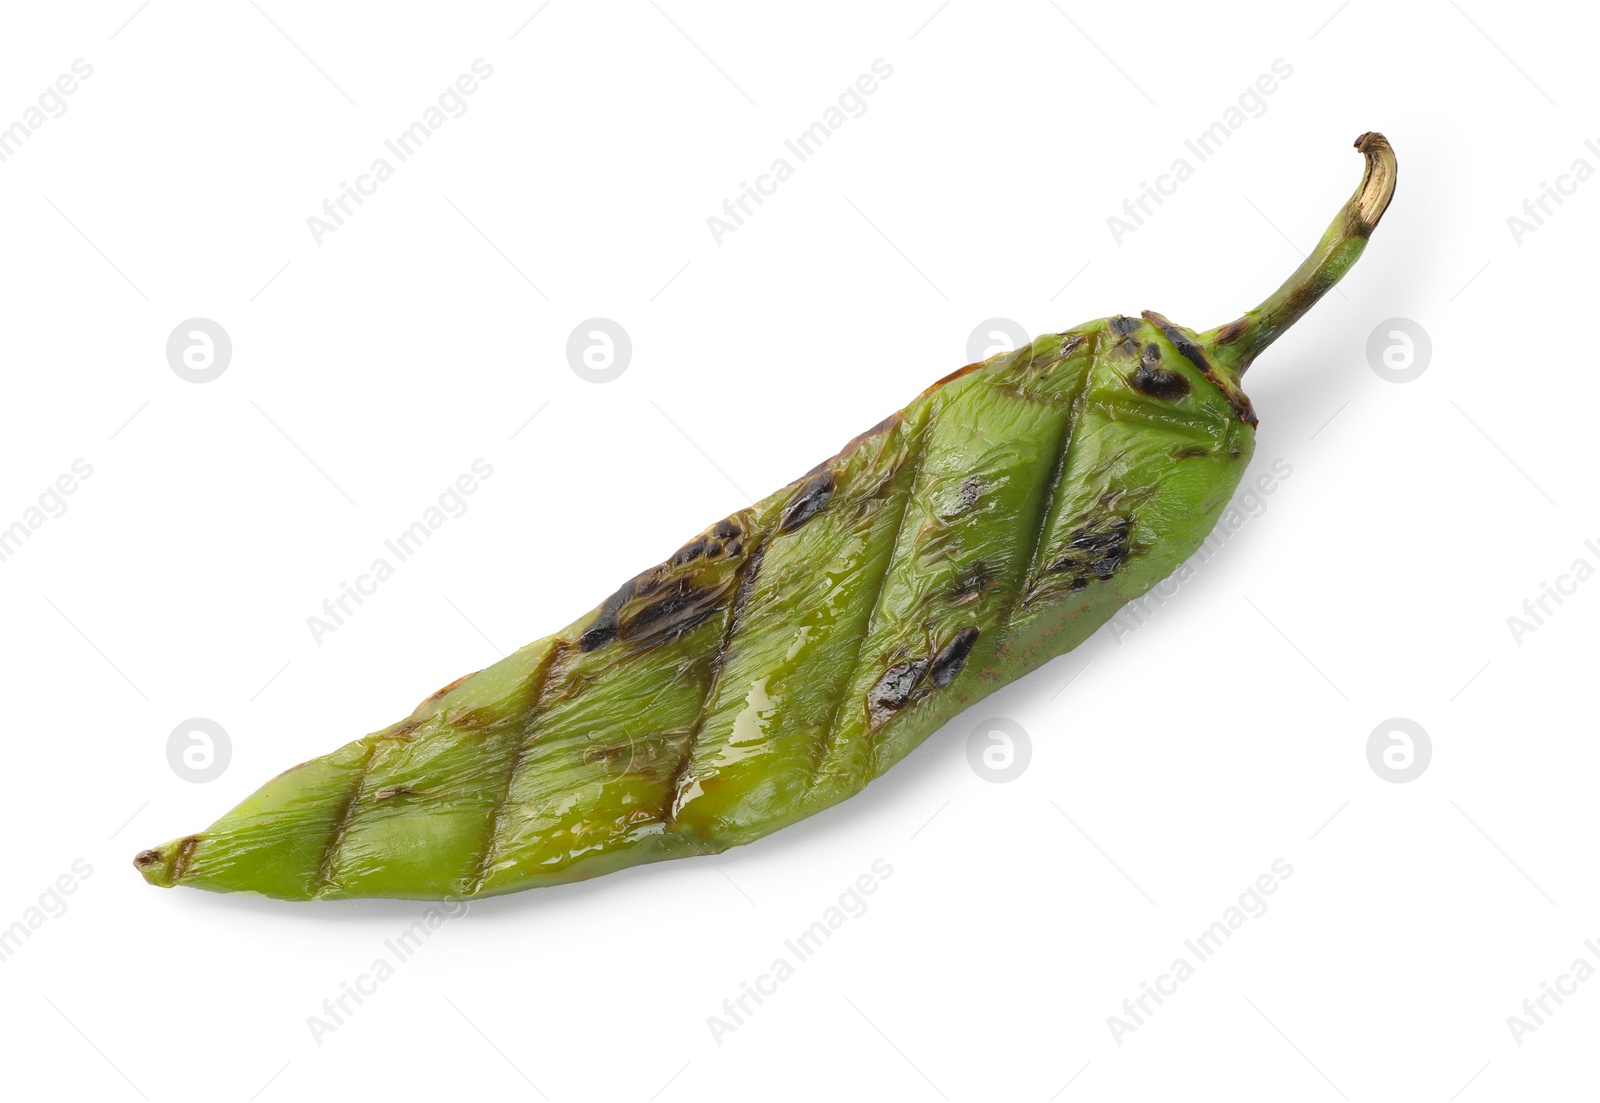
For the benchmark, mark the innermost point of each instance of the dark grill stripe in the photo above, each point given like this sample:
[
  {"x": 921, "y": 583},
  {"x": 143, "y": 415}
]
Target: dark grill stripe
[
  {"x": 322, "y": 879},
  {"x": 914, "y": 462},
  {"x": 1058, "y": 477},
  {"x": 519, "y": 750},
  {"x": 747, "y": 571}
]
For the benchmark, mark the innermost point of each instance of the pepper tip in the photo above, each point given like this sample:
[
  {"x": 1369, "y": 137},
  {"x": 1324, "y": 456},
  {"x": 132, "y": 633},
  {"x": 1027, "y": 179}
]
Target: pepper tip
[{"x": 165, "y": 866}]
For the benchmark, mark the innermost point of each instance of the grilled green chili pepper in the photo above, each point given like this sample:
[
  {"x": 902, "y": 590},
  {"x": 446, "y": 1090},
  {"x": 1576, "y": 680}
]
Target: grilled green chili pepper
[{"x": 794, "y": 651}]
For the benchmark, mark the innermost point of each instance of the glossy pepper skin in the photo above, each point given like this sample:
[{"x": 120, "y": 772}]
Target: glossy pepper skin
[{"x": 794, "y": 651}]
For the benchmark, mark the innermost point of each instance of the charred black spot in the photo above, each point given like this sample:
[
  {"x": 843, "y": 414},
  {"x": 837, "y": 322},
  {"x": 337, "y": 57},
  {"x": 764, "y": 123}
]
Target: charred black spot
[
  {"x": 597, "y": 636},
  {"x": 1087, "y": 539},
  {"x": 146, "y": 858},
  {"x": 1179, "y": 341},
  {"x": 684, "y": 607},
  {"x": 1095, "y": 552},
  {"x": 733, "y": 547},
  {"x": 1123, "y": 326},
  {"x": 1197, "y": 356},
  {"x": 972, "y": 583},
  {"x": 952, "y": 657},
  {"x": 691, "y": 551},
  {"x": 604, "y": 628},
  {"x": 1109, "y": 550},
  {"x": 1104, "y": 568},
  {"x": 971, "y": 487},
  {"x": 715, "y": 548},
  {"x": 806, "y": 504},
  {"x": 1191, "y": 351},
  {"x": 650, "y": 581},
  {"x": 966, "y": 496},
  {"x": 725, "y": 530},
  {"x": 1155, "y": 381},
  {"x": 891, "y": 692}
]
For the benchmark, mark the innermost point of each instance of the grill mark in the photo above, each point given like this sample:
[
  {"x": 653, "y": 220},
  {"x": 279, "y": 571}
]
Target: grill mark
[
  {"x": 322, "y": 879},
  {"x": 1187, "y": 347},
  {"x": 669, "y": 617},
  {"x": 604, "y": 627},
  {"x": 748, "y": 570},
  {"x": 693, "y": 550},
  {"x": 807, "y": 502},
  {"x": 519, "y": 751},
  {"x": 967, "y": 496},
  {"x": 1151, "y": 379},
  {"x": 972, "y": 583},
  {"x": 1099, "y": 553},
  {"x": 678, "y": 604},
  {"x": 1197, "y": 356},
  {"x": 1052, "y": 487},
  {"x": 1027, "y": 561},
  {"x": 893, "y": 690},
  {"x": 914, "y": 462},
  {"x": 952, "y": 657},
  {"x": 180, "y": 864}
]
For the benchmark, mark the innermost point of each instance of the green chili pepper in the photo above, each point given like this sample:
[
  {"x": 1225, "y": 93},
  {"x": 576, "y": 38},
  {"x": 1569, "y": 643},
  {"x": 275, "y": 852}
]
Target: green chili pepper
[{"x": 794, "y": 651}]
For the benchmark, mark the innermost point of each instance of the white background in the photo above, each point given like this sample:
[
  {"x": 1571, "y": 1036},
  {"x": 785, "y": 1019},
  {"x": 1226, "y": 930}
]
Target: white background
[{"x": 372, "y": 369}]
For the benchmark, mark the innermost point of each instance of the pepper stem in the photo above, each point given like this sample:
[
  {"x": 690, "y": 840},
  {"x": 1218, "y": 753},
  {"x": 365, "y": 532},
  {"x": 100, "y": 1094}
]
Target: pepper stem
[{"x": 1238, "y": 343}]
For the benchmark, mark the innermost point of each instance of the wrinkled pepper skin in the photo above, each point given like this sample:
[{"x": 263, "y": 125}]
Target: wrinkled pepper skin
[{"x": 792, "y": 652}]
